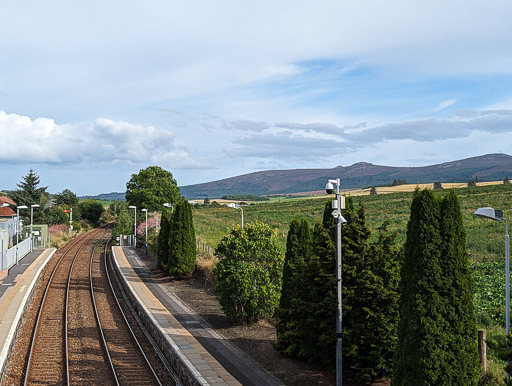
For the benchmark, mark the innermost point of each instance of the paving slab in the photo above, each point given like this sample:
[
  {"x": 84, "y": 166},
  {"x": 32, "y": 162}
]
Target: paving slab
[
  {"x": 16, "y": 289},
  {"x": 208, "y": 351}
]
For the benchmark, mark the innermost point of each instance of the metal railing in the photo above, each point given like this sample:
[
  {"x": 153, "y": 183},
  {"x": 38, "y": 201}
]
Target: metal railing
[{"x": 8, "y": 257}]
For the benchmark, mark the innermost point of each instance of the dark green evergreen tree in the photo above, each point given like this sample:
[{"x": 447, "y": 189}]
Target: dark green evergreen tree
[
  {"x": 182, "y": 241},
  {"x": 370, "y": 298},
  {"x": 288, "y": 316},
  {"x": 437, "y": 328},
  {"x": 378, "y": 318},
  {"x": 460, "y": 366},
  {"x": 30, "y": 193},
  {"x": 421, "y": 329},
  {"x": 163, "y": 240},
  {"x": 316, "y": 301}
]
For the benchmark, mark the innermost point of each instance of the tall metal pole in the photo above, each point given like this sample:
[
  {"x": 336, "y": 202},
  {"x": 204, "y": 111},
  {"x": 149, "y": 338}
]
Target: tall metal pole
[
  {"x": 507, "y": 279},
  {"x": 242, "y": 211},
  {"x": 507, "y": 286},
  {"x": 31, "y": 220},
  {"x": 70, "y": 222},
  {"x": 146, "y": 232},
  {"x": 339, "y": 320},
  {"x": 17, "y": 231}
]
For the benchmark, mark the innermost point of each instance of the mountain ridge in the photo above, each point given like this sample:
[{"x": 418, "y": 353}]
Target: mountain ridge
[{"x": 359, "y": 175}]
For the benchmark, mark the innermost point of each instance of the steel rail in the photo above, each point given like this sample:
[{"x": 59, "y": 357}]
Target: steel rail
[
  {"x": 43, "y": 300},
  {"x": 126, "y": 320},
  {"x": 139, "y": 322},
  {"x": 111, "y": 363},
  {"x": 67, "y": 304}
]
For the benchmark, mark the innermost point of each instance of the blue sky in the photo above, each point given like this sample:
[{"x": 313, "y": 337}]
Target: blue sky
[{"x": 91, "y": 93}]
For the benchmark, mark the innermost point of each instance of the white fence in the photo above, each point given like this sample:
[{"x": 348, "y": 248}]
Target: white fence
[
  {"x": 8, "y": 257},
  {"x": 125, "y": 240}
]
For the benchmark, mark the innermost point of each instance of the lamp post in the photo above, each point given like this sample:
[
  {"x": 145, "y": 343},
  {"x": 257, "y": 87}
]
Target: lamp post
[
  {"x": 236, "y": 206},
  {"x": 497, "y": 215},
  {"x": 338, "y": 204},
  {"x": 18, "y": 227},
  {"x": 31, "y": 224},
  {"x": 167, "y": 205},
  {"x": 2, "y": 249},
  {"x": 70, "y": 222},
  {"x": 134, "y": 225},
  {"x": 145, "y": 210}
]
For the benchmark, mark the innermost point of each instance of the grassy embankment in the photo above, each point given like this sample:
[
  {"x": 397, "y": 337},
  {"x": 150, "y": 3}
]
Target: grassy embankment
[{"x": 485, "y": 238}]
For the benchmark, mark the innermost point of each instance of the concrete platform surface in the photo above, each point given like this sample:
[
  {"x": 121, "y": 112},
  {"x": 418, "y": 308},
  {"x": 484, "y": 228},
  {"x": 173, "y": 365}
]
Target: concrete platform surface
[
  {"x": 15, "y": 292},
  {"x": 214, "y": 359}
]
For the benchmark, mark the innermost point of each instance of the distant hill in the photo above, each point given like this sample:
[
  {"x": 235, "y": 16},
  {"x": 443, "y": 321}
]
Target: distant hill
[
  {"x": 488, "y": 167},
  {"x": 108, "y": 197}
]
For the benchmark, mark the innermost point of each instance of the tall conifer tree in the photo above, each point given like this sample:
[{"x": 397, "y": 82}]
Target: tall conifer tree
[
  {"x": 421, "y": 329},
  {"x": 461, "y": 366},
  {"x": 182, "y": 241},
  {"x": 437, "y": 328},
  {"x": 298, "y": 253},
  {"x": 163, "y": 240}
]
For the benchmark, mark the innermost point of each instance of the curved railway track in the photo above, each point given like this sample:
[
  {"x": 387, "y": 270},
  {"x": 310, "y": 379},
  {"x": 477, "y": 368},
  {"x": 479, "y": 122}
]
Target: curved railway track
[{"x": 81, "y": 334}]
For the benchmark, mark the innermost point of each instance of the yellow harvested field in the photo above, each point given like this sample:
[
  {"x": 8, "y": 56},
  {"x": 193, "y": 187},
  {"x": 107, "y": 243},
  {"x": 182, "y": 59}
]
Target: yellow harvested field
[{"x": 408, "y": 188}]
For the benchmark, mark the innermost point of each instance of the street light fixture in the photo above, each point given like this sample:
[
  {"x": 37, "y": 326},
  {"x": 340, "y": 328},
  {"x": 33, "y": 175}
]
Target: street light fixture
[
  {"x": 18, "y": 227},
  {"x": 145, "y": 210},
  {"x": 236, "y": 206},
  {"x": 31, "y": 223},
  {"x": 497, "y": 215},
  {"x": 338, "y": 204},
  {"x": 134, "y": 225},
  {"x": 167, "y": 205}
]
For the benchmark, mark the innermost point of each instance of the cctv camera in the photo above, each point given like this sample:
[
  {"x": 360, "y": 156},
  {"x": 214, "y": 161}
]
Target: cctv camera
[
  {"x": 342, "y": 220},
  {"x": 329, "y": 188}
]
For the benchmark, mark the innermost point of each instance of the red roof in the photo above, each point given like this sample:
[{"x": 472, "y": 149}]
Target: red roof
[
  {"x": 7, "y": 200},
  {"x": 6, "y": 212}
]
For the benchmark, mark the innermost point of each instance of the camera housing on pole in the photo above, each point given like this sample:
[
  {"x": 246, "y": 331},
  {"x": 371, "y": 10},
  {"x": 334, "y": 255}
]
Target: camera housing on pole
[{"x": 337, "y": 205}]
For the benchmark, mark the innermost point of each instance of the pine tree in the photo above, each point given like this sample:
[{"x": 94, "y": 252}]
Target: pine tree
[
  {"x": 298, "y": 253},
  {"x": 182, "y": 241},
  {"x": 31, "y": 193},
  {"x": 163, "y": 240},
  {"x": 461, "y": 360}
]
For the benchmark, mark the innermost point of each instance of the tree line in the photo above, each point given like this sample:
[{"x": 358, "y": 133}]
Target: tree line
[
  {"x": 408, "y": 311},
  {"x": 51, "y": 207}
]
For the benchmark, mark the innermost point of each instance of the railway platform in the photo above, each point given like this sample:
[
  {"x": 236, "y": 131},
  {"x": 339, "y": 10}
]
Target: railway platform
[
  {"x": 205, "y": 356},
  {"x": 16, "y": 289}
]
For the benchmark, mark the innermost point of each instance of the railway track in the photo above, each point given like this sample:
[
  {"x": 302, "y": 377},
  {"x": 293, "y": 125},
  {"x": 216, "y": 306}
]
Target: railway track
[{"x": 81, "y": 334}]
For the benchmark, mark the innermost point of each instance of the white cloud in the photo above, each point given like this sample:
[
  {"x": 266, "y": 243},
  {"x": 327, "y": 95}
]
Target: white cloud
[
  {"x": 443, "y": 105},
  {"x": 42, "y": 140}
]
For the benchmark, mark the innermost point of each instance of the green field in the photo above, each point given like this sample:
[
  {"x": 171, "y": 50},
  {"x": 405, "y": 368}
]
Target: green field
[{"x": 485, "y": 238}]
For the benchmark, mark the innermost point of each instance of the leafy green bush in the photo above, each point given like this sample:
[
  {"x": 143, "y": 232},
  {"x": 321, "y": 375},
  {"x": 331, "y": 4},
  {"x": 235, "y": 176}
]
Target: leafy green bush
[
  {"x": 249, "y": 273},
  {"x": 91, "y": 210}
]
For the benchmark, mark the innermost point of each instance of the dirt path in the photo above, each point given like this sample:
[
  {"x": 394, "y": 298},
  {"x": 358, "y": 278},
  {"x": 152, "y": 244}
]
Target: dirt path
[{"x": 256, "y": 340}]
